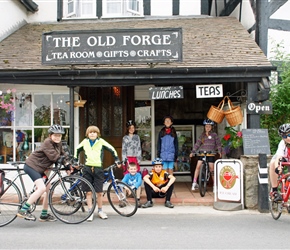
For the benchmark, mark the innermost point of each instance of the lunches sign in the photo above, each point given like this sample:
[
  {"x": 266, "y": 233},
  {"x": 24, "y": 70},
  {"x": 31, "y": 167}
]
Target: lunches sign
[{"x": 112, "y": 46}]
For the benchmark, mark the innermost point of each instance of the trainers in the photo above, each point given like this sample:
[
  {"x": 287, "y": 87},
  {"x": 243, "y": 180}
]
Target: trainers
[
  {"x": 275, "y": 196},
  {"x": 47, "y": 217},
  {"x": 194, "y": 186},
  {"x": 26, "y": 215},
  {"x": 90, "y": 219},
  {"x": 168, "y": 204},
  {"x": 102, "y": 215},
  {"x": 147, "y": 204},
  {"x": 122, "y": 204}
]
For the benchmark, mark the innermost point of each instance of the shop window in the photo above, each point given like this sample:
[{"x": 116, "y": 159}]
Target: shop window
[
  {"x": 23, "y": 130},
  {"x": 143, "y": 123}
]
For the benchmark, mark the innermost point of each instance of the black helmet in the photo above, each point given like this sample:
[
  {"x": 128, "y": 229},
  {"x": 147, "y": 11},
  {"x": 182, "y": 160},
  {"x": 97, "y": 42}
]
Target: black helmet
[
  {"x": 168, "y": 116},
  {"x": 208, "y": 122},
  {"x": 283, "y": 129},
  {"x": 130, "y": 123},
  {"x": 56, "y": 129},
  {"x": 157, "y": 161}
]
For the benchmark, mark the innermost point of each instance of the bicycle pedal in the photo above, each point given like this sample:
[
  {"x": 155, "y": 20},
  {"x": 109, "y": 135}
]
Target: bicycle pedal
[{"x": 30, "y": 220}]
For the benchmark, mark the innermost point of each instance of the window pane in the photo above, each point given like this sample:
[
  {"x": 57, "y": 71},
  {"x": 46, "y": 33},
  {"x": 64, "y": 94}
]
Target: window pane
[
  {"x": 42, "y": 113},
  {"x": 6, "y": 145},
  {"x": 114, "y": 6},
  {"x": 117, "y": 97},
  {"x": 61, "y": 112},
  {"x": 24, "y": 109},
  {"x": 143, "y": 122},
  {"x": 106, "y": 112},
  {"x": 24, "y": 144}
]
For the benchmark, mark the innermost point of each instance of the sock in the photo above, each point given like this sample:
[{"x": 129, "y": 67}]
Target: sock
[
  {"x": 25, "y": 207},
  {"x": 44, "y": 212},
  {"x": 274, "y": 189},
  {"x": 99, "y": 210},
  {"x": 194, "y": 180}
]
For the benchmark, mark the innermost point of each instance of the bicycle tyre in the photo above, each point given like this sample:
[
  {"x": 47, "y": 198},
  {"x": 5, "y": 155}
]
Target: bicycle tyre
[
  {"x": 274, "y": 206},
  {"x": 202, "y": 180},
  {"x": 75, "y": 210},
  {"x": 10, "y": 203},
  {"x": 124, "y": 203}
]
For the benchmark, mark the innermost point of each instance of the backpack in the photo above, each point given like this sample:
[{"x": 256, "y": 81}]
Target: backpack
[
  {"x": 2, "y": 175},
  {"x": 144, "y": 172}
]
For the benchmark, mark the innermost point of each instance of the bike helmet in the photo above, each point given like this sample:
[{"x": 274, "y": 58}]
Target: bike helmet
[
  {"x": 157, "y": 161},
  {"x": 284, "y": 129},
  {"x": 168, "y": 116},
  {"x": 56, "y": 129},
  {"x": 208, "y": 122},
  {"x": 130, "y": 123}
]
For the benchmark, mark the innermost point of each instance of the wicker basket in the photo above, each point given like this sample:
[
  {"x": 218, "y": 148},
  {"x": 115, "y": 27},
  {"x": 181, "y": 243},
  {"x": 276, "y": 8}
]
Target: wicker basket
[
  {"x": 234, "y": 114},
  {"x": 216, "y": 114}
]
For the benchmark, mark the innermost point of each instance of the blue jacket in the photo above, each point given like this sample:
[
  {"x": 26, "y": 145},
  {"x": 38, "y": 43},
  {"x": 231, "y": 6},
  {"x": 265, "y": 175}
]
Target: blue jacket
[
  {"x": 134, "y": 181},
  {"x": 167, "y": 147}
]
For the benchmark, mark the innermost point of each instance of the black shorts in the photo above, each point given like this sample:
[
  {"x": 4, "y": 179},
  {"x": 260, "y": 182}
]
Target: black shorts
[
  {"x": 209, "y": 158},
  {"x": 95, "y": 177},
  {"x": 33, "y": 174}
]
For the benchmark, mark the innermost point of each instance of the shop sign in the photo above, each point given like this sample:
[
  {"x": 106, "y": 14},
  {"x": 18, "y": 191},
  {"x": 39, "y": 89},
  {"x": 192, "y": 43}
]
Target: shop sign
[
  {"x": 112, "y": 46},
  {"x": 265, "y": 107},
  {"x": 159, "y": 93},
  {"x": 209, "y": 91}
]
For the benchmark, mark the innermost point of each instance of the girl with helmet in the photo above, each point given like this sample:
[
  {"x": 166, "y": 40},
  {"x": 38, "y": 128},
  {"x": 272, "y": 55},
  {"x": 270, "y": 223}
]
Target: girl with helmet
[
  {"x": 208, "y": 141},
  {"x": 283, "y": 151},
  {"x": 37, "y": 166},
  {"x": 131, "y": 146},
  {"x": 167, "y": 144}
]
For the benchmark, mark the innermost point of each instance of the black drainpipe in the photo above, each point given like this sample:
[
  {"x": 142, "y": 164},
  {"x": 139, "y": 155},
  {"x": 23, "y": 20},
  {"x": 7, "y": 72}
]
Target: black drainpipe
[
  {"x": 71, "y": 120},
  {"x": 59, "y": 10}
]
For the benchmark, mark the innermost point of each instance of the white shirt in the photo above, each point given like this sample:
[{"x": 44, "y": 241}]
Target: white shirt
[{"x": 281, "y": 150}]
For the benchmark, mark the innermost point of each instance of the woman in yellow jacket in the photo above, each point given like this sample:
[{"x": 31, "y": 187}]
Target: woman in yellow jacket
[{"x": 93, "y": 147}]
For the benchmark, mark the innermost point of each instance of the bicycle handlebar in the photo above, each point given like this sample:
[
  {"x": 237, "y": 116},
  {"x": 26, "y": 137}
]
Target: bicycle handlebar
[{"x": 204, "y": 152}]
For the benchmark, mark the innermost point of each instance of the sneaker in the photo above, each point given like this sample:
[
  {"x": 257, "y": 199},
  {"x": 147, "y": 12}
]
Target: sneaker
[
  {"x": 275, "y": 196},
  {"x": 90, "y": 219},
  {"x": 47, "y": 217},
  {"x": 147, "y": 204},
  {"x": 26, "y": 215},
  {"x": 169, "y": 204},
  {"x": 194, "y": 186},
  {"x": 122, "y": 204},
  {"x": 102, "y": 215}
]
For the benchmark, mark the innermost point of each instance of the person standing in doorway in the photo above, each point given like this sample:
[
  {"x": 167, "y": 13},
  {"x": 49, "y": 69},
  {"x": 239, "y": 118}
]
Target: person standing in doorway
[
  {"x": 167, "y": 144},
  {"x": 131, "y": 146},
  {"x": 208, "y": 141}
]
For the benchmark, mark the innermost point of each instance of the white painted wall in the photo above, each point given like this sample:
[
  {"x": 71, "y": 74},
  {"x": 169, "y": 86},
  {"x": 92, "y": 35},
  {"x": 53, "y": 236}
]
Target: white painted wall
[
  {"x": 47, "y": 12},
  {"x": 189, "y": 7}
]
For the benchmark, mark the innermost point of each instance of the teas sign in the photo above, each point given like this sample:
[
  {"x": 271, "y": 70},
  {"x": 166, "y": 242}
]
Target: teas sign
[
  {"x": 159, "y": 93},
  {"x": 209, "y": 91},
  {"x": 111, "y": 46}
]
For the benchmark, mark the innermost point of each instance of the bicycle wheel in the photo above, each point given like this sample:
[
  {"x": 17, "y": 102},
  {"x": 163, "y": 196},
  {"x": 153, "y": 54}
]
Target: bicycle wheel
[
  {"x": 10, "y": 203},
  {"x": 122, "y": 198},
  {"x": 67, "y": 200},
  {"x": 202, "y": 180},
  {"x": 274, "y": 206}
]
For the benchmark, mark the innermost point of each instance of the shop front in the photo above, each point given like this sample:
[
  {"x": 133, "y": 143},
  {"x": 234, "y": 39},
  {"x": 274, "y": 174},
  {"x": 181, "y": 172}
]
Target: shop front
[{"x": 114, "y": 71}]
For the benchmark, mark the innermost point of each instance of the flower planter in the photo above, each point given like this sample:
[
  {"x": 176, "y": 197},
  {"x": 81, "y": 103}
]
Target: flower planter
[{"x": 236, "y": 153}]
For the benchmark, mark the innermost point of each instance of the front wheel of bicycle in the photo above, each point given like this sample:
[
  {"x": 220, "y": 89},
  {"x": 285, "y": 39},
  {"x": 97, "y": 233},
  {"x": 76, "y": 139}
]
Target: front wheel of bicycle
[
  {"x": 202, "y": 182},
  {"x": 274, "y": 206},
  {"x": 67, "y": 199},
  {"x": 122, "y": 198},
  {"x": 10, "y": 203}
]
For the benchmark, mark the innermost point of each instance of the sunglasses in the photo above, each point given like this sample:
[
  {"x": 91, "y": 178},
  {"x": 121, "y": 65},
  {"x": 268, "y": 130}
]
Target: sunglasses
[{"x": 285, "y": 136}]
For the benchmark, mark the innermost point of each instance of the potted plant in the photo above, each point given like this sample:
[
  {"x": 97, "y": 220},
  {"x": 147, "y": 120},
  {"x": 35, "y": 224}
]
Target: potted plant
[{"x": 232, "y": 142}]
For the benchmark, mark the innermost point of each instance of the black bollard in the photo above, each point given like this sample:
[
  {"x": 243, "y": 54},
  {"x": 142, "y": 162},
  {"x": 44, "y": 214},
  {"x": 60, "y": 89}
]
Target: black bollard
[{"x": 263, "y": 193}]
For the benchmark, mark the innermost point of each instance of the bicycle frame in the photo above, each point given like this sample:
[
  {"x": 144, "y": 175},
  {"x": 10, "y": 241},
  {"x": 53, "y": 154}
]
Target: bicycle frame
[{"x": 282, "y": 179}]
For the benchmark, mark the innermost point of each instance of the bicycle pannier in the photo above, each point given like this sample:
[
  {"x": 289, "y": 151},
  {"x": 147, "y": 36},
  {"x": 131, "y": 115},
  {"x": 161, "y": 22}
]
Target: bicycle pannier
[{"x": 2, "y": 175}]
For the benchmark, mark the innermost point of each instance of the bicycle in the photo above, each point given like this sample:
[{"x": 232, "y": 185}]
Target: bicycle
[
  {"x": 283, "y": 187},
  {"x": 204, "y": 172},
  {"x": 121, "y": 196},
  {"x": 66, "y": 199}
]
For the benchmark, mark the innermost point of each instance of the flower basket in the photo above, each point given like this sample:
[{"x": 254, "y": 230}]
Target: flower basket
[
  {"x": 216, "y": 114},
  {"x": 234, "y": 114}
]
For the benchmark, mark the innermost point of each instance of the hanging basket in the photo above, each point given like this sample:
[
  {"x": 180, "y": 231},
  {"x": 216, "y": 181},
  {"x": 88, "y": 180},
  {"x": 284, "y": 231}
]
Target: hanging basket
[
  {"x": 216, "y": 114},
  {"x": 78, "y": 103},
  {"x": 234, "y": 114}
]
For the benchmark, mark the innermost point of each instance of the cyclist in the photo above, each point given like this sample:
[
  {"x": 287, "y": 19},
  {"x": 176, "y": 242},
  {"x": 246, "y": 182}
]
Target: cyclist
[
  {"x": 131, "y": 146},
  {"x": 93, "y": 147},
  {"x": 283, "y": 150},
  {"x": 37, "y": 166},
  {"x": 158, "y": 184},
  {"x": 167, "y": 144},
  {"x": 208, "y": 141}
]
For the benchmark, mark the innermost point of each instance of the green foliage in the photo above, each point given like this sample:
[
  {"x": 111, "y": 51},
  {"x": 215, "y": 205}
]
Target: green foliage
[
  {"x": 280, "y": 98},
  {"x": 232, "y": 139}
]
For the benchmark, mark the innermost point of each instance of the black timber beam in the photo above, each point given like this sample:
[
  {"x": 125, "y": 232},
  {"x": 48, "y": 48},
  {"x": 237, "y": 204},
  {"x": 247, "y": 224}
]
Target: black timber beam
[
  {"x": 205, "y": 8},
  {"x": 230, "y": 7},
  {"x": 278, "y": 24}
]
